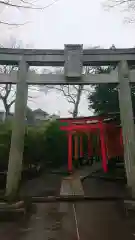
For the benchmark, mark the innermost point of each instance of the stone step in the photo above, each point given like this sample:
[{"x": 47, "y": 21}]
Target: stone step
[
  {"x": 66, "y": 188},
  {"x": 70, "y": 186},
  {"x": 77, "y": 187}
]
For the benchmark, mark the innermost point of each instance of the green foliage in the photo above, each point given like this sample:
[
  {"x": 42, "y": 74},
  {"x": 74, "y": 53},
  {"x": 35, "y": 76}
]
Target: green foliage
[
  {"x": 104, "y": 99},
  {"x": 56, "y": 144},
  {"x": 34, "y": 146},
  {"x": 43, "y": 144},
  {"x": 5, "y": 133}
]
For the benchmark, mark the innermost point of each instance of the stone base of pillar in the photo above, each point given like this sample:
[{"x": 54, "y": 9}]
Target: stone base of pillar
[
  {"x": 129, "y": 208},
  {"x": 132, "y": 181},
  {"x": 130, "y": 187}
]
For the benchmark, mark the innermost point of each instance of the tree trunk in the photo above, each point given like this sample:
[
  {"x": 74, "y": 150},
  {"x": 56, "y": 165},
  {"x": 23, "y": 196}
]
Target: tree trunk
[
  {"x": 7, "y": 109},
  {"x": 75, "y": 111}
]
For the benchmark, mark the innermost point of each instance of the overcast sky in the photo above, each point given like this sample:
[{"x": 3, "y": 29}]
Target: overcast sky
[{"x": 68, "y": 21}]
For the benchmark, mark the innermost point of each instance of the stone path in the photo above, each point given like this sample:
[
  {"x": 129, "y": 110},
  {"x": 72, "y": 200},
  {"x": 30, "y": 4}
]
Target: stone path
[{"x": 78, "y": 221}]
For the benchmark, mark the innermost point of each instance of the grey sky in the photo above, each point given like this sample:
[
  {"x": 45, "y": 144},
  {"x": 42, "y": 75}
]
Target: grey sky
[{"x": 69, "y": 21}]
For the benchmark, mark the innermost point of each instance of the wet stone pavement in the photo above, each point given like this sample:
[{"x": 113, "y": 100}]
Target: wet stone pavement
[
  {"x": 79, "y": 221},
  {"x": 48, "y": 223}
]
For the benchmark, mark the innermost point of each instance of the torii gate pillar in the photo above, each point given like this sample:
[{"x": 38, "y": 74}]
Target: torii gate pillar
[
  {"x": 18, "y": 131},
  {"x": 127, "y": 122}
]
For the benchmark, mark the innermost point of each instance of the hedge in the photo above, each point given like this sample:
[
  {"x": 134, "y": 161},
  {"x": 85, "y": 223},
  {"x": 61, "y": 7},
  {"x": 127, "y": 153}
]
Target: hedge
[{"x": 44, "y": 144}]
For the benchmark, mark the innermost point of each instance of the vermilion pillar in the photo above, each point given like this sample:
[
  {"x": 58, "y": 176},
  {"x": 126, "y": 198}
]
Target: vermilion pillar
[
  {"x": 81, "y": 146},
  {"x": 103, "y": 148},
  {"x": 76, "y": 147},
  {"x": 89, "y": 146},
  {"x": 70, "y": 152}
]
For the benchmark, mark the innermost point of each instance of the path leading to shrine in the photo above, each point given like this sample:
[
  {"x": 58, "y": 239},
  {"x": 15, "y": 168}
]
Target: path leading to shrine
[{"x": 78, "y": 221}]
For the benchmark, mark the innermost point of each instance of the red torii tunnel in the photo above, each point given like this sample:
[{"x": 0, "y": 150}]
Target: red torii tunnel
[{"x": 109, "y": 133}]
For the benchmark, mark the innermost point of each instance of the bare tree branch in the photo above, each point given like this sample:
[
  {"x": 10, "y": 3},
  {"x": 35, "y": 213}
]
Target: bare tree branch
[
  {"x": 11, "y": 103},
  {"x": 70, "y": 112},
  {"x": 72, "y": 94},
  {"x": 8, "y": 91},
  {"x": 26, "y": 5},
  {"x": 13, "y": 24},
  {"x": 14, "y": 95},
  {"x": 115, "y": 3},
  {"x": 125, "y": 5}
]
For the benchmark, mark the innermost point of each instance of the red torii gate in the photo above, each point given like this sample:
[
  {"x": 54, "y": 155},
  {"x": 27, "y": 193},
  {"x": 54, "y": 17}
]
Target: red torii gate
[{"x": 110, "y": 136}]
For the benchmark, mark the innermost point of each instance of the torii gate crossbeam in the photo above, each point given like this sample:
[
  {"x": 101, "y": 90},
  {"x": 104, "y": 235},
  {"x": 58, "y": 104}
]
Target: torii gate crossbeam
[
  {"x": 50, "y": 57},
  {"x": 73, "y": 58}
]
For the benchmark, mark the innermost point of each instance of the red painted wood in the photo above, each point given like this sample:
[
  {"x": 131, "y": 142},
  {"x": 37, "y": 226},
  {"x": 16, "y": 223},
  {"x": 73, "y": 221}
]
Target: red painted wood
[
  {"x": 80, "y": 127},
  {"x": 81, "y": 146},
  {"x": 112, "y": 139},
  {"x": 76, "y": 147},
  {"x": 110, "y": 136},
  {"x": 82, "y": 119},
  {"x": 103, "y": 148},
  {"x": 90, "y": 152},
  {"x": 70, "y": 152}
]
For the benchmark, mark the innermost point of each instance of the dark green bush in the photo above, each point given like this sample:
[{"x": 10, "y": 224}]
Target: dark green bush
[
  {"x": 42, "y": 145},
  {"x": 5, "y": 136},
  {"x": 55, "y": 145}
]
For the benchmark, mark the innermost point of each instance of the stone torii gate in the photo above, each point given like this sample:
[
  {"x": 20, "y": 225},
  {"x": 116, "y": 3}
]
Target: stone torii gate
[{"x": 73, "y": 58}]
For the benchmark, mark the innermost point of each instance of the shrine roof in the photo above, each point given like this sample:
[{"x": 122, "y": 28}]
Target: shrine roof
[{"x": 89, "y": 118}]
